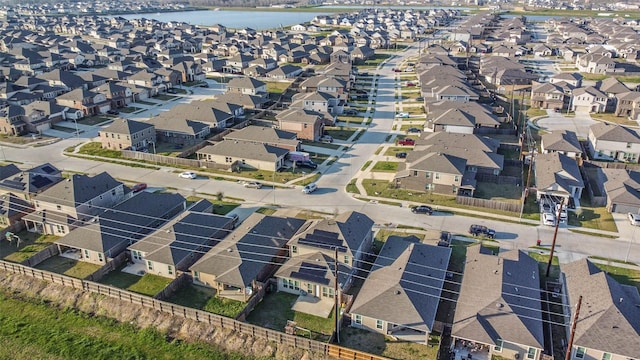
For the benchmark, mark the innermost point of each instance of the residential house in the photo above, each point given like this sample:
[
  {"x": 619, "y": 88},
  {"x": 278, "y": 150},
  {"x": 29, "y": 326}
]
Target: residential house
[
  {"x": 206, "y": 111},
  {"x": 266, "y": 135},
  {"x": 628, "y": 104},
  {"x": 174, "y": 247},
  {"x": 609, "y": 327},
  {"x": 400, "y": 296},
  {"x": 88, "y": 102},
  {"x": 435, "y": 172},
  {"x": 247, "y": 85},
  {"x": 127, "y": 134},
  {"x": 110, "y": 233},
  {"x": 28, "y": 183},
  {"x": 244, "y": 154},
  {"x": 499, "y": 308},
  {"x": 118, "y": 95},
  {"x": 306, "y": 124},
  {"x": 565, "y": 142},
  {"x": 612, "y": 87},
  {"x": 242, "y": 262},
  {"x": 611, "y": 142},
  {"x": 179, "y": 131},
  {"x": 12, "y": 209},
  {"x": 321, "y": 102},
  {"x": 460, "y": 117},
  {"x": 244, "y": 100},
  {"x": 34, "y": 117},
  {"x": 588, "y": 99},
  {"x": 622, "y": 189},
  {"x": 573, "y": 79},
  {"x": 311, "y": 267},
  {"x": 548, "y": 96},
  {"x": 79, "y": 197},
  {"x": 558, "y": 175},
  {"x": 324, "y": 83},
  {"x": 595, "y": 63}
]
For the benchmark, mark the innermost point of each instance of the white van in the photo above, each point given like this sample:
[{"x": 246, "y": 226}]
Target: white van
[{"x": 308, "y": 189}]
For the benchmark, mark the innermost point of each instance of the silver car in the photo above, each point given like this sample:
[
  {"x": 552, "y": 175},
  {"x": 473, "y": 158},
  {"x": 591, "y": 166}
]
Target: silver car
[{"x": 634, "y": 219}]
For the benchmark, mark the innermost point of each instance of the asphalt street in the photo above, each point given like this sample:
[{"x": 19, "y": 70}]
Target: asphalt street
[{"x": 331, "y": 196}]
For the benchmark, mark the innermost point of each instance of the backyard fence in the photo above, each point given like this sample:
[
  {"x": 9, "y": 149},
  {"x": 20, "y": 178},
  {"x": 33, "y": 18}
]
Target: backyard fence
[
  {"x": 173, "y": 286},
  {"x": 42, "y": 255},
  {"x": 190, "y": 313},
  {"x": 490, "y": 204},
  {"x": 110, "y": 266},
  {"x": 171, "y": 160},
  {"x": 613, "y": 165},
  {"x": 255, "y": 299},
  {"x": 498, "y": 179}
]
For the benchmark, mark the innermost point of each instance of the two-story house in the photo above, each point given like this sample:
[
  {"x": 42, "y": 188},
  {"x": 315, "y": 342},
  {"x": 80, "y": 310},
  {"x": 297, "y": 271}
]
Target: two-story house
[
  {"x": 127, "y": 134},
  {"x": 588, "y": 99},
  {"x": 613, "y": 143},
  {"x": 247, "y": 85},
  {"x": 88, "y": 102}
]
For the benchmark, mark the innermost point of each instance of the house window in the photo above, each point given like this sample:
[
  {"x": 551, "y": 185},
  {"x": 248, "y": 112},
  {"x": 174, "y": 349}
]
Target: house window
[
  {"x": 86, "y": 254},
  {"x": 628, "y": 145},
  {"x": 196, "y": 275},
  {"x": 606, "y": 356},
  {"x": 346, "y": 259},
  {"x": 437, "y": 176},
  {"x": 456, "y": 178},
  {"x": 136, "y": 255},
  {"x": 309, "y": 288},
  {"x": 149, "y": 265},
  {"x": 358, "y": 319},
  {"x": 498, "y": 347},
  {"x": 294, "y": 249},
  {"x": 58, "y": 207},
  {"x": 428, "y": 175},
  {"x": 325, "y": 291},
  {"x": 379, "y": 324},
  {"x": 100, "y": 257},
  {"x": 429, "y": 187},
  {"x": 59, "y": 229},
  {"x": 228, "y": 159},
  {"x": 331, "y": 293},
  {"x": 531, "y": 353},
  {"x": 296, "y": 285},
  {"x": 169, "y": 269},
  {"x": 285, "y": 284},
  {"x": 580, "y": 352}
]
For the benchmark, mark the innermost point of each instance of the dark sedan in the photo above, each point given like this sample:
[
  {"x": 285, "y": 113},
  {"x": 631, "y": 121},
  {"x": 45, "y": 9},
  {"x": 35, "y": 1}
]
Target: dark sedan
[{"x": 422, "y": 209}]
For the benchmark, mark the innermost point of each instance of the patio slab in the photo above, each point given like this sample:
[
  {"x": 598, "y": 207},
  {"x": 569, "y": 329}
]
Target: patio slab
[{"x": 313, "y": 306}]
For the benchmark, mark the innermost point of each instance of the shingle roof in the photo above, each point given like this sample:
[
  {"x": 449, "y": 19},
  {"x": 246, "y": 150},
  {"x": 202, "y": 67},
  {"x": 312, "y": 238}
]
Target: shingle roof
[
  {"x": 499, "y": 299},
  {"x": 609, "y": 318},
  {"x": 126, "y": 126},
  {"x": 404, "y": 284},
  {"x": 78, "y": 189},
  {"x": 557, "y": 172},
  {"x": 622, "y": 186},
  {"x": 566, "y": 141},
  {"x": 610, "y": 132},
  {"x": 238, "y": 259}
]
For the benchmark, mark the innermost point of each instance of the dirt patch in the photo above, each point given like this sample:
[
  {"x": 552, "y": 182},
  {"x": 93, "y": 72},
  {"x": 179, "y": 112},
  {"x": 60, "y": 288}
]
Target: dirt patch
[{"x": 142, "y": 317}]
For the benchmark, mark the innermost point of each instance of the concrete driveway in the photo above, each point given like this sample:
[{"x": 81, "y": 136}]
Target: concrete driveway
[{"x": 557, "y": 121}]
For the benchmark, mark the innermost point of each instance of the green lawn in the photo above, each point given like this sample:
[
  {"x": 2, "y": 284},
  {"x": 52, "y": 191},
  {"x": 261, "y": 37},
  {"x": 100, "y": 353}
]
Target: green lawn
[
  {"x": 95, "y": 149},
  {"x": 94, "y": 120},
  {"x": 39, "y": 331},
  {"x": 203, "y": 298},
  {"x": 275, "y": 309},
  {"x": 385, "y": 166},
  {"x": 612, "y": 118},
  {"x": 277, "y": 87},
  {"x": 498, "y": 192},
  {"x": 622, "y": 275},
  {"x": 130, "y": 109},
  {"x": 30, "y": 244},
  {"x": 69, "y": 267},
  {"x": 340, "y": 132},
  {"x": 593, "y": 218},
  {"x": 147, "y": 285},
  {"x": 543, "y": 261},
  {"x": 378, "y": 344},
  {"x": 392, "y": 151},
  {"x": 266, "y": 211}
]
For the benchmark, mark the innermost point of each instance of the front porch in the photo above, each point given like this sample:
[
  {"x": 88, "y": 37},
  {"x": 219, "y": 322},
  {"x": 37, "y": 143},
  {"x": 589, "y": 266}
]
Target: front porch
[{"x": 312, "y": 305}]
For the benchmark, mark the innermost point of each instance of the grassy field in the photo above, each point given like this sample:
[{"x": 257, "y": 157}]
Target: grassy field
[
  {"x": 275, "y": 309},
  {"x": 38, "y": 331},
  {"x": 30, "y": 243},
  {"x": 147, "y": 284},
  {"x": 203, "y": 298},
  {"x": 95, "y": 149}
]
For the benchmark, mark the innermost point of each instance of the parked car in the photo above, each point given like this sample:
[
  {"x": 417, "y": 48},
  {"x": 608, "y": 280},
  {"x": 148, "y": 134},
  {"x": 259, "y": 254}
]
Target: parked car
[
  {"x": 402, "y": 115},
  {"x": 351, "y": 112},
  {"x": 138, "y": 187},
  {"x": 326, "y": 139},
  {"x": 306, "y": 164},
  {"x": 548, "y": 219},
  {"x": 409, "y": 83},
  {"x": 406, "y": 142},
  {"x": 113, "y": 112},
  {"x": 188, "y": 175},
  {"x": 634, "y": 219},
  {"x": 204, "y": 85},
  {"x": 252, "y": 184},
  {"x": 413, "y": 130},
  {"x": 445, "y": 239},
  {"x": 422, "y": 209},
  {"x": 420, "y": 98},
  {"x": 561, "y": 214},
  {"x": 308, "y": 189},
  {"x": 171, "y": 91},
  {"x": 396, "y": 70},
  {"x": 481, "y": 230},
  {"x": 401, "y": 155}
]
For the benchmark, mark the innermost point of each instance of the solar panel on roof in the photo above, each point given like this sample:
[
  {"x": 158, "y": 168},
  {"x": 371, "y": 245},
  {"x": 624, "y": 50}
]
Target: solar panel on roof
[
  {"x": 326, "y": 242},
  {"x": 311, "y": 272},
  {"x": 48, "y": 169},
  {"x": 13, "y": 184},
  {"x": 40, "y": 181}
]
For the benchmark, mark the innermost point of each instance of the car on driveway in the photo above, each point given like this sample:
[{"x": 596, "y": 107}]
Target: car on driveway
[
  {"x": 138, "y": 187},
  {"x": 402, "y": 115},
  {"x": 634, "y": 219},
  {"x": 422, "y": 209},
  {"x": 351, "y": 112},
  {"x": 420, "y": 98},
  {"x": 326, "y": 139},
  {"x": 113, "y": 112},
  {"x": 406, "y": 142},
  {"x": 188, "y": 175},
  {"x": 481, "y": 230},
  {"x": 445, "y": 239},
  {"x": 409, "y": 83},
  {"x": 548, "y": 219},
  {"x": 252, "y": 184},
  {"x": 306, "y": 164},
  {"x": 401, "y": 155},
  {"x": 413, "y": 130},
  {"x": 171, "y": 91}
]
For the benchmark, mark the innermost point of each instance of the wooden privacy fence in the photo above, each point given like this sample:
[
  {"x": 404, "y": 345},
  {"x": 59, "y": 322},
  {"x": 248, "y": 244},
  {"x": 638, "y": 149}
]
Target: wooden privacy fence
[
  {"x": 190, "y": 313},
  {"x": 490, "y": 204}
]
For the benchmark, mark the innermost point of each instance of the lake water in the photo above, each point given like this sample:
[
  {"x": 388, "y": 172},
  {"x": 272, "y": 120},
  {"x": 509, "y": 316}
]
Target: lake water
[{"x": 259, "y": 20}]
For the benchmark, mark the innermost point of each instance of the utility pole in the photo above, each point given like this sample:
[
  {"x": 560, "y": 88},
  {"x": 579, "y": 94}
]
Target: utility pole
[
  {"x": 336, "y": 302},
  {"x": 525, "y": 191},
  {"x": 555, "y": 235},
  {"x": 567, "y": 355}
]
